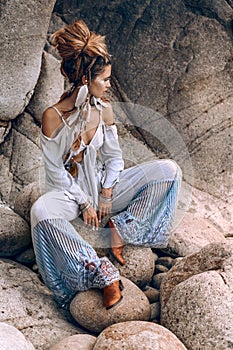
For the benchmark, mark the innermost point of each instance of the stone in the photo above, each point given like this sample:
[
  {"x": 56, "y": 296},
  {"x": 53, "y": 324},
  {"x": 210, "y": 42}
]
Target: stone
[
  {"x": 197, "y": 298},
  {"x": 75, "y": 342},
  {"x": 4, "y": 129},
  {"x": 152, "y": 294},
  {"x": 155, "y": 311},
  {"x": 6, "y": 179},
  {"x": 166, "y": 261},
  {"x": 137, "y": 335},
  {"x": 88, "y": 310},
  {"x": 11, "y": 338},
  {"x": 157, "y": 279},
  {"x": 19, "y": 79},
  {"x": 139, "y": 267},
  {"x": 160, "y": 268},
  {"x": 15, "y": 233},
  {"x": 25, "y": 200},
  {"x": 49, "y": 87},
  {"x": 27, "y": 257},
  {"x": 192, "y": 234},
  {"x": 28, "y": 305}
]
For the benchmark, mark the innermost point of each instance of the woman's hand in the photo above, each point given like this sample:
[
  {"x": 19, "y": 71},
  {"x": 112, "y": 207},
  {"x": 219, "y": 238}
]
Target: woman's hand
[
  {"x": 90, "y": 218},
  {"x": 105, "y": 203}
]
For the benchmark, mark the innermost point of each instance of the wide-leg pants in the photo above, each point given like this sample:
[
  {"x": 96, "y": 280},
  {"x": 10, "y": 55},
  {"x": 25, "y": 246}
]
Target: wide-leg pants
[{"x": 143, "y": 209}]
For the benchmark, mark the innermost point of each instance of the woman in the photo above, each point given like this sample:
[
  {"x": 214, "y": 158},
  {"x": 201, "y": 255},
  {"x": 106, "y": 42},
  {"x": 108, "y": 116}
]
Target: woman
[{"x": 85, "y": 176}]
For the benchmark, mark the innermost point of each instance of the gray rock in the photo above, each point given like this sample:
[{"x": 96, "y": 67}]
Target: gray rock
[
  {"x": 152, "y": 294},
  {"x": 166, "y": 261},
  {"x": 139, "y": 267},
  {"x": 25, "y": 200},
  {"x": 6, "y": 179},
  {"x": 26, "y": 257},
  {"x": 157, "y": 279},
  {"x": 155, "y": 311},
  {"x": 15, "y": 233},
  {"x": 137, "y": 335},
  {"x": 197, "y": 298},
  {"x": 4, "y": 129},
  {"x": 28, "y": 305},
  {"x": 49, "y": 88},
  {"x": 19, "y": 77},
  {"x": 11, "y": 338},
  {"x": 192, "y": 234},
  {"x": 88, "y": 310},
  {"x": 75, "y": 342}
]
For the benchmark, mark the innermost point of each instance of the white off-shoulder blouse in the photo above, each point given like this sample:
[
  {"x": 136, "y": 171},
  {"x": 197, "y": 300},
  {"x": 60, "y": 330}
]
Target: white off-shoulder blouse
[{"x": 101, "y": 165}]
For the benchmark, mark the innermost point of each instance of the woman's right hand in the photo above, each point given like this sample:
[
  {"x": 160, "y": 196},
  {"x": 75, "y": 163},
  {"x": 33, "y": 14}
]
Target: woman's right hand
[{"x": 90, "y": 218}]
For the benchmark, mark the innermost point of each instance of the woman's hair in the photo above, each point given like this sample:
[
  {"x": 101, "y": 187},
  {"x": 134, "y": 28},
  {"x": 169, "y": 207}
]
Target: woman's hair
[{"x": 83, "y": 52}]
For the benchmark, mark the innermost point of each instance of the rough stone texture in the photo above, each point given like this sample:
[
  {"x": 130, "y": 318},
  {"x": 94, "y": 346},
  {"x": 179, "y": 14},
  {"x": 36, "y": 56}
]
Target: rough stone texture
[
  {"x": 25, "y": 200},
  {"x": 27, "y": 257},
  {"x": 152, "y": 294},
  {"x": 20, "y": 64},
  {"x": 22, "y": 158},
  {"x": 197, "y": 298},
  {"x": 139, "y": 267},
  {"x": 28, "y": 305},
  {"x": 11, "y": 338},
  {"x": 192, "y": 234},
  {"x": 49, "y": 88},
  {"x": 14, "y": 232},
  {"x": 186, "y": 50},
  {"x": 88, "y": 310},
  {"x": 4, "y": 129},
  {"x": 137, "y": 335},
  {"x": 75, "y": 342}
]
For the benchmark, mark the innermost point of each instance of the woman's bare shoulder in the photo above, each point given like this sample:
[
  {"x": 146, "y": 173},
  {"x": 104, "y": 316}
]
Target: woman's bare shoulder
[
  {"x": 108, "y": 116},
  {"x": 50, "y": 121}
]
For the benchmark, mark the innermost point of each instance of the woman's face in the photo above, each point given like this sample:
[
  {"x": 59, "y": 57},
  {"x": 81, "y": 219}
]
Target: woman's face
[{"x": 101, "y": 83}]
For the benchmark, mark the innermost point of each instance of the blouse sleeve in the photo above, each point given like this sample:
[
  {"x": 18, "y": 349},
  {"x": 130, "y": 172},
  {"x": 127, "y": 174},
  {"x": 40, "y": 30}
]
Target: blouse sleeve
[
  {"x": 57, "y": 177},
  {"x": 111, "y": 156}
]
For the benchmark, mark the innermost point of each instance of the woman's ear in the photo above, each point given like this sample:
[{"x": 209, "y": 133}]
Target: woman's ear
[{"x": 84, "y": 80}]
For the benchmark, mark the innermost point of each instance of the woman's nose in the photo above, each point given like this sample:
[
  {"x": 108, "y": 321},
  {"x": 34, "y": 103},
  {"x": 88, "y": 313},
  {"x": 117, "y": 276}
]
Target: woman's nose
[{"x": 108, "y": 84}]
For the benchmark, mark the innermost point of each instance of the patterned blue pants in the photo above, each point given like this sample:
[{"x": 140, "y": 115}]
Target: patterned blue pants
[{"x": 144, "y": 203}]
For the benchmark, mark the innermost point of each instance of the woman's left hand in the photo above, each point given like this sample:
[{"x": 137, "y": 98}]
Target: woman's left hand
[{"x": 105, "y": 203}]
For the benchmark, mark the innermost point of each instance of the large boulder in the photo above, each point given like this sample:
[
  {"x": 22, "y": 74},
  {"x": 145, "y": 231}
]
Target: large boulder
[
  {"x": 176, "y": 59},
  {"x": 197, "y": 298},
  {"x": 15, "y": 233},
  {"x": 24, "y": 27},
  {"x": 192, "y": 234},
  {"x": 22, "y": 157},
  {"x": 27, "y": 304},
  {"x": 88, "y": 310},
  {"x": 49, "y": 88},
  {"x": 137, "y": 335},
  {"x": 11, "y": 338}
]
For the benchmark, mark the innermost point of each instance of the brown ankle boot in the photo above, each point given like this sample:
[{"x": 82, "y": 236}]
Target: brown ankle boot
[
  {"x": 112, "y": 295},
  {"x": 117, "y": 245}
]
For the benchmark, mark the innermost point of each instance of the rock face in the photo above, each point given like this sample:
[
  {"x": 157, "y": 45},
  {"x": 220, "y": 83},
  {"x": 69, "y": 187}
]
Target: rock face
[
  {"x": 137, "y": 335},
  {"x": 28, "y": 305},
  {"x": 88, "y": 310},
  {"x": 176, "y": 56},
  {"x": 11, "y": 338},
  {"x": 22, "y": 45},
  {"x": 49, "y": 88},
  {"x": 75, "y": 342},
  {"x": 14, "y": 232},
  {"x": 197, "y": 298}
]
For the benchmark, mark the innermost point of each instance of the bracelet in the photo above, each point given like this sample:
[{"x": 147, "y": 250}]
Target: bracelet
[
  {"x": 105, "y": 199},
  {"x": 84, "y": 207}
]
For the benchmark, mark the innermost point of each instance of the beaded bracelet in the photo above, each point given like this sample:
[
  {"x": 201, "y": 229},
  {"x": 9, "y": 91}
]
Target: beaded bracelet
[{"x": 105, "y": 199}]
